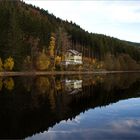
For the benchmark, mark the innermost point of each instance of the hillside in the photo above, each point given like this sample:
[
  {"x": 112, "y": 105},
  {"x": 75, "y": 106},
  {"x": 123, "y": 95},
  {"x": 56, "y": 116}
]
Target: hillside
[
  {"x": 133, "y": 43},
  {"x": 33, "y": 39}
]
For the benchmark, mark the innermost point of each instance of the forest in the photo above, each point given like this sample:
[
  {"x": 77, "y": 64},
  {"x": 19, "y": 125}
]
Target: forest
[{"x": 32, "y": 39}]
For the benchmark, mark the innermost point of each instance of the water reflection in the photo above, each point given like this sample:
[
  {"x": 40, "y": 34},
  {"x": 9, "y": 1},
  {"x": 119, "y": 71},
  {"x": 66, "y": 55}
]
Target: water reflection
[
  {"x": 115, "y": 122},
  {"x": 73, "y": 86},
  {"x": 7, "y": 83},
  {"x": 30, "y": 105}
]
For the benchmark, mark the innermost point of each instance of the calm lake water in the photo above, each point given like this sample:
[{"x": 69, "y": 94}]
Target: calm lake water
[{"x": 72, "y": 107}]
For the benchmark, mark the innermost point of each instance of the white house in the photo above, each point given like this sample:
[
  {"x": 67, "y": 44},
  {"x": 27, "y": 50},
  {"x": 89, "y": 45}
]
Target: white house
[{"x": 73, "y": 57}]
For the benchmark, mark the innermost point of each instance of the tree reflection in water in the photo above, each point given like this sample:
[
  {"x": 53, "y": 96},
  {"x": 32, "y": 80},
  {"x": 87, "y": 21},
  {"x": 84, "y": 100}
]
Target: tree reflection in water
[{"x": 39, "y": 102}]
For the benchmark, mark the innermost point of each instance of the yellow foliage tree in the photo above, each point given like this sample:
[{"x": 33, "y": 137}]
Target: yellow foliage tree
[
  {"x": 1, "y": 65},
  {"x": 52, "y": 46},
  {"x": 42, "y": 62},
  {"x": 9, "y": 63},
  {"x": 52, "y": 51},
  {"x": 9, "y": 83},
  {"x": 57, "y": 60}
]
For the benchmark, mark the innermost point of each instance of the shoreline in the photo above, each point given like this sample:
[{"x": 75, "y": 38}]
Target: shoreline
[{"x": 34, "y": 73}]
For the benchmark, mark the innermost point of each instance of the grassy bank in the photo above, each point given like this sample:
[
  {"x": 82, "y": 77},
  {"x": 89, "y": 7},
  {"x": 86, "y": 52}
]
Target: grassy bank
[{"x": 33, "y": 73}]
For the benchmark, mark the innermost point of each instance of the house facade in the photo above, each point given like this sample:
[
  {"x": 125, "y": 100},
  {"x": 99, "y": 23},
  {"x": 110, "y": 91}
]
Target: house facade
[{"x": 73, "y": 57}]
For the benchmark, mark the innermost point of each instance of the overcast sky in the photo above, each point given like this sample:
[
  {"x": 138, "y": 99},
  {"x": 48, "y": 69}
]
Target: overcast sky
[{"x": 119, "y": 19}]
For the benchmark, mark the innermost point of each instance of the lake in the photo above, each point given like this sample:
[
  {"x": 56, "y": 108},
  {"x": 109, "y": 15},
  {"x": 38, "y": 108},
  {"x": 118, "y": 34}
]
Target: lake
[{"x": 72, "y": 107}]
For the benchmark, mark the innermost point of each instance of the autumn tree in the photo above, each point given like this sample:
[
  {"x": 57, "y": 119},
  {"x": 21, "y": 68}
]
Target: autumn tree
[
  {"x": 52, "y": 46},
  {"x": 57, "y": 60},
  {"x": 9, "y": 63},
  {"x": 52, "y": 50},
  {"x": 42, "y": 61}
]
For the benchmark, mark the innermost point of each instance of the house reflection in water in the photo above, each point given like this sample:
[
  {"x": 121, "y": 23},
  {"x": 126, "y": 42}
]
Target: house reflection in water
[{"x": 73, "y": 86}]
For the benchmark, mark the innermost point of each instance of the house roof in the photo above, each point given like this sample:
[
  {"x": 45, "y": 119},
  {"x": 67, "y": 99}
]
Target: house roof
[{"x": 73, "y": 52}]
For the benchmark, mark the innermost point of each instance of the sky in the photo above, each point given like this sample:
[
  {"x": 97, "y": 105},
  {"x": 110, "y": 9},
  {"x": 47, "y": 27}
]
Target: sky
[{"x": 116, "y": 18}]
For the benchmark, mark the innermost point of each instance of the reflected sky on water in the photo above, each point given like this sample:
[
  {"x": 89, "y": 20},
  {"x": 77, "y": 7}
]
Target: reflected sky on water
[{"x": 116, "y": 121}]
